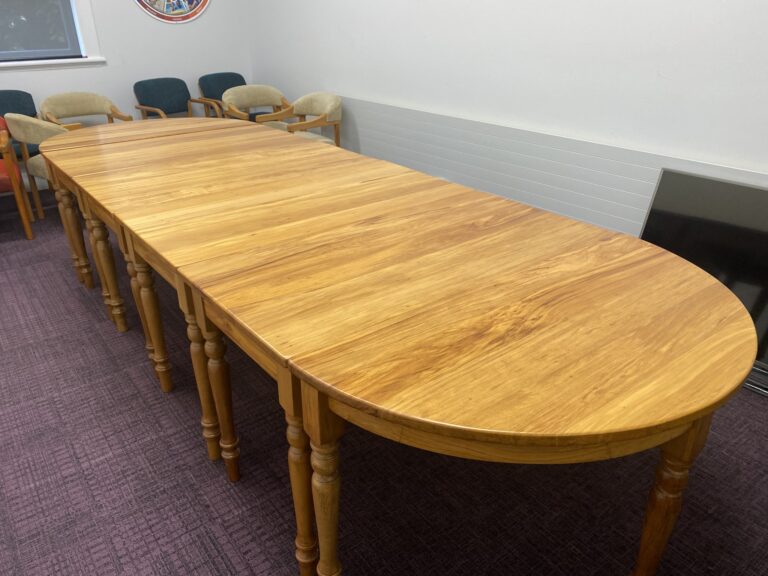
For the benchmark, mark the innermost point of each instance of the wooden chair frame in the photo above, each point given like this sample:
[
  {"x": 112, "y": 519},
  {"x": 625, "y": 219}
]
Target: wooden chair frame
[
  {"x": 25, "y": 156},
  {"x": 216, "y": 106},
  {"x": 114, "y": 112},
  {"x": 17, "y": 185},
  {"x": 232, "y": 112},
  {"x": 303, "y": 124},
  {"x": 32, "y": 183},
  {"x": 212, "y": 109}
]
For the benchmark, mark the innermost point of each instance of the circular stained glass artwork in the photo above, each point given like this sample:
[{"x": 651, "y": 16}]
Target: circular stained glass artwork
[{"x": 174, "y": 11}]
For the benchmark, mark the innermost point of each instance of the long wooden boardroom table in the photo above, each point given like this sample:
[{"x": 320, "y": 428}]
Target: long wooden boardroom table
[{"x": 423, "y": 311}]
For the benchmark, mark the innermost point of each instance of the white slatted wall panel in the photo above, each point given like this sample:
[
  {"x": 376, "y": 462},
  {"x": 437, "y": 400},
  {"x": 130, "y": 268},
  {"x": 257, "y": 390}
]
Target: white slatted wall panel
[{"x": 604, "y": 185}]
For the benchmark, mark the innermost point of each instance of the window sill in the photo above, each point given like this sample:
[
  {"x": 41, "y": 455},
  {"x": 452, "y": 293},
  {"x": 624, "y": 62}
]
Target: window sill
[{"x": 53, "y": 64}]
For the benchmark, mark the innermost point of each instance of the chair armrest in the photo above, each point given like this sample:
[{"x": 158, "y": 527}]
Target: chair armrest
[
  {"x": 115, "y": 111},
  {"x": 24, "y": 153},
  {"x": 282, "y": 115},
  {"x": 306, "y": 125},
  {"x": 74, "y": 126},
  {"x": 208, "y": 104},
  {"x": 232, "y": 112},
  {"x": 51, "y": 118},
  {"x": 218, "y": 103},
  {"x": 145, "y": 109}
]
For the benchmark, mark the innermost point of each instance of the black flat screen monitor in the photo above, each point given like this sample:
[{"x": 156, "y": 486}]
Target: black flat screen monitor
[{"x": 721, "y": 227}]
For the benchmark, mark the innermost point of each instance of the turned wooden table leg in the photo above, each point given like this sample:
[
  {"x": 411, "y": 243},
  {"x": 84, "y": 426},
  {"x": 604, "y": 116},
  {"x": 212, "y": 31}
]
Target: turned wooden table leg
[
  {"x": 300, "y": 470},
  {"x": 218, "y": 374},
  {"x": 99, "y": 271},
  {"x": 209, "y": 419},
  {"x": 151, "y": 308},
  {"x": 665, "y": 500},
  {"x": 106, "y": 260},
  {"x": 74, "y": 233},
  {"x": 136, "y": 292},
  {"x": 324, "y": 429}
]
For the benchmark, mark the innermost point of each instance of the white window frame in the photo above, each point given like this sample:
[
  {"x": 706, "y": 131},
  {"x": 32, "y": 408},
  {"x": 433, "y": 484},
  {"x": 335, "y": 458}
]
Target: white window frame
[{"x": 89, "y": 42}]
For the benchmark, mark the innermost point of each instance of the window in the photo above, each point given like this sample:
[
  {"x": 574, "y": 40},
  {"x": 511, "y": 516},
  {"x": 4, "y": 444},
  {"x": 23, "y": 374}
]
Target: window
[{"x": 38, "y": 30}]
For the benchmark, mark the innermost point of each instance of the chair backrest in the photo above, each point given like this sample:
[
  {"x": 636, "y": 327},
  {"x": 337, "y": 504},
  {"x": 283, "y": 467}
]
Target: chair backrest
[
  {"x": 253, "y": 96},
  {"x": 318, "y": 104},
  {"x": 214, "y": 85},
  {"x": 31, "y": 130},
  {"x": 17, "y": 101},
  {"x": 170, "y": 95},
  {"x": 71, "y": 104}
]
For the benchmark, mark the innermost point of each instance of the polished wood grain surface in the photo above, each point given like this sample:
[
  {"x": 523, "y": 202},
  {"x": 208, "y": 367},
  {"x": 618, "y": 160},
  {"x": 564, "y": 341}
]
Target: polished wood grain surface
[
  {"x": 427, "y": 303},
  {"x": 111, "y": 133},
  {"x": 424, "y": 311}
]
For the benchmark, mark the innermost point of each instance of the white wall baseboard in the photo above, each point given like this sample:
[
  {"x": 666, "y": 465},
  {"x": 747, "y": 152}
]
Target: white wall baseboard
[{"x": 604, "y": 185}]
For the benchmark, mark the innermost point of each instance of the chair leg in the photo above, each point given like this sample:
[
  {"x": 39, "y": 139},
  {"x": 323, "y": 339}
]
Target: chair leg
[
  {"x": 36, "y": 196},
  {"x": 28, "y": 206},
  {"x": 21, "y": 203},
  {"x": 337, "y": 134}
]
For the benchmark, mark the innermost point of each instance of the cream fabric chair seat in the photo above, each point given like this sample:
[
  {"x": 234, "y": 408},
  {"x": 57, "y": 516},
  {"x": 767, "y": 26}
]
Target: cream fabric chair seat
[
  {"x": 36, "y": 167},
  {"x": 277, "y": 124},
  {"x": 316, "y": 137}
]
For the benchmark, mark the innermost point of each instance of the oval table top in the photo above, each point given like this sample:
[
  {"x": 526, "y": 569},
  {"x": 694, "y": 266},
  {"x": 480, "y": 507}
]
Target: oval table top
[{"x": 423, "y": 302}]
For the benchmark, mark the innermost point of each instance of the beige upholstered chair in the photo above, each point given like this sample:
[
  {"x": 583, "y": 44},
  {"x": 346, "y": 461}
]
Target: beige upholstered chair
[
  {"x": 76, "y": 104},
  {"x": 241, "y": 100},
  {"x": 27, "y": 130},
  {"x": 323, "y": 108}
]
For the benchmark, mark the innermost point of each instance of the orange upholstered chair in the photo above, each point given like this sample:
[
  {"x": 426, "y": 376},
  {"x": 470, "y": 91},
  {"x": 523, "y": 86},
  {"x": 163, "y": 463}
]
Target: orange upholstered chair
[{"x": 10, "y": 178}]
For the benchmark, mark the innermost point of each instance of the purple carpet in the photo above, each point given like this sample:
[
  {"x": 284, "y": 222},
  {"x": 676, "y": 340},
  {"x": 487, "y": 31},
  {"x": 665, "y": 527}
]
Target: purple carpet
[{"x": 104, "y": 474}]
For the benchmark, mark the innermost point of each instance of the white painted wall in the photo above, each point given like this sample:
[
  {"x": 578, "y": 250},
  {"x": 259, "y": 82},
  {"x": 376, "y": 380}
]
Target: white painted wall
[
  {"x": 686, "y": 79},
  {"x": 137, "y": 46}
]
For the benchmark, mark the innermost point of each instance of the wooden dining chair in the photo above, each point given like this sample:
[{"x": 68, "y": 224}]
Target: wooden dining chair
[
  {"x": 248, "y": 102},
  {"x": 32, "y": 131},
  {"x": 323, "y": 108},
  {"x": 10, "y": 179},
  {"x": 163, "y": 97},
  {"x": 79, "y": 104},
  {"x": 18, "y": 102},
  {"x": 212, "y": 86}
]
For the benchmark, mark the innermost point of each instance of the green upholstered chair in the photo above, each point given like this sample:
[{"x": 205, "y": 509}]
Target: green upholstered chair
[
  {"x": 163, "y": 97},
  {"x": 19, "y": 102},
  {"x": 28, "y": 131},
  {"x": 323, "y": 108},
  {"x": 213, "y": 86},
  {"x": 78, "y": 104}
]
